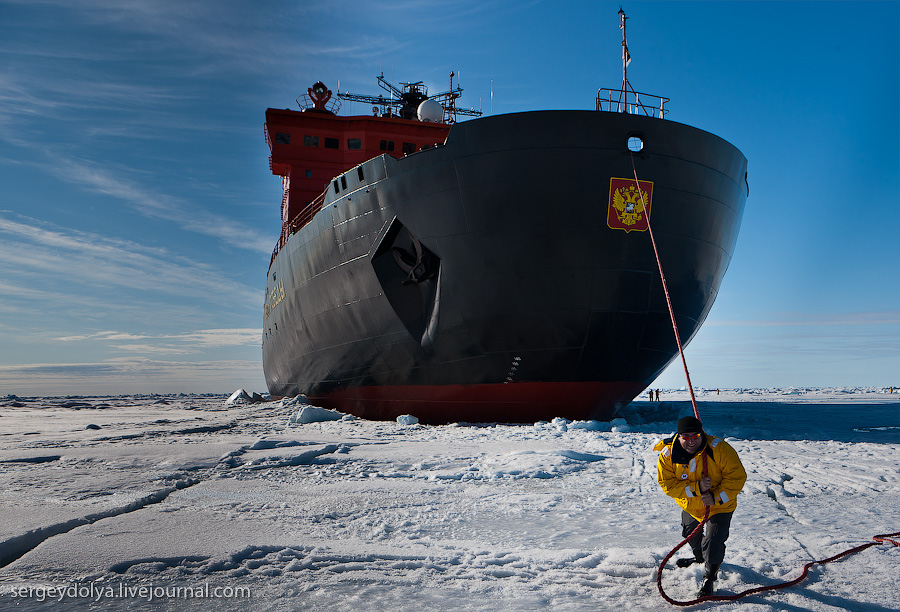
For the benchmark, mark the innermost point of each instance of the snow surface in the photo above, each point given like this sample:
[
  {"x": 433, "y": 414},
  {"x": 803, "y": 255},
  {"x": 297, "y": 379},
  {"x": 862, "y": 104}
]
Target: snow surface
[{"x": 108, "y": 495}]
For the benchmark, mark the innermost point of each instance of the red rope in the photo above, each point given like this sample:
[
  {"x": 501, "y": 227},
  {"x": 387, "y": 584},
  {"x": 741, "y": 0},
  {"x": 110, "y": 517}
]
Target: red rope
[
  {"x": 662, "y": 565},
  {"x": 696, "y": 530},
  {"x": 878, "y": 539},
  {"x": 666, "y": 291}
]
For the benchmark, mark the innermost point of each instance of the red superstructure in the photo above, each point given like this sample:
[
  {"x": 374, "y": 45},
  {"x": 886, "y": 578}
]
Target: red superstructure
[{"x": 312, "y": 146}]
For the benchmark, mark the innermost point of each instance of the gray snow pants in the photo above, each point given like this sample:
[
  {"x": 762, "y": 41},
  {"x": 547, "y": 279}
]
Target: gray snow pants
[{"x": 711, "y": 543}]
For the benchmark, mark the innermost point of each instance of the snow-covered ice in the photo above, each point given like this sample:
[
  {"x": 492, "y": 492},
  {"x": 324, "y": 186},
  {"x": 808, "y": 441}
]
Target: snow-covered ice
[{"x": 188, "y": 496}]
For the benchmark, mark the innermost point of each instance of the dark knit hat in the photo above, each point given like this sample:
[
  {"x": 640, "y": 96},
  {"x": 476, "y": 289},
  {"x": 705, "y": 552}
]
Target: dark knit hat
[{"x": 689, "y": 424}]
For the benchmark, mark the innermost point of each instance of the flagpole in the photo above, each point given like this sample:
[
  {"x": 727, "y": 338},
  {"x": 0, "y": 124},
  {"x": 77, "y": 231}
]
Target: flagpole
[{"x": 624, "y": 61}]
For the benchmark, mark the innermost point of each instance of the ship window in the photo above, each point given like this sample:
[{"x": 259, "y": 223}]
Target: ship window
[
  {"x": 344, "y": 182},
  {"x": 336, "y": 188},
  {"x": 354, "y": 143},
  {"x": 359, "y": 173},
  {"x": 332, "y": 143},
  {"x": 409, "y": 147},
  {"x": 309, "y": 174},
  {"x": 310, "y": 141},
  {"x": 282, "y": 138},
  {"x": 635, "y": 144},
  {"x": 387, "y": 145}
]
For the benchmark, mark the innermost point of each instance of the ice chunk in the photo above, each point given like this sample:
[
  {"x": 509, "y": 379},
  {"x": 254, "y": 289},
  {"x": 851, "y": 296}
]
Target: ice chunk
[
  {"x": 314, "y": 414},
  {"x": 586, "y": 425},
  {"x": 239, "y": 397},
  {"x": 407, "y": 419},
  {"x": 620, "y": 426}
]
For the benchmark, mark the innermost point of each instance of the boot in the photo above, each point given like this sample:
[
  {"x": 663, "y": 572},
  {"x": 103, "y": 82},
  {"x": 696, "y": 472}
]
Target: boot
[
  {"x": 688, "y": 561},
  {"x": 709, "y": 580}
]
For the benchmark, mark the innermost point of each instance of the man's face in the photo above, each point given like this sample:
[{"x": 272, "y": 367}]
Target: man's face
[{"x": 690, "y": 441}]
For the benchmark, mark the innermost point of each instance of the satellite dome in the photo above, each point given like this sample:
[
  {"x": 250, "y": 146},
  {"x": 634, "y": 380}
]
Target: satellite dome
[{"x": 431, "y": 111}]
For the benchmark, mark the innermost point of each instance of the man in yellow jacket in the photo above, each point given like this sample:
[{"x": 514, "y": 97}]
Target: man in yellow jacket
[{"x": 700, "y": 470}]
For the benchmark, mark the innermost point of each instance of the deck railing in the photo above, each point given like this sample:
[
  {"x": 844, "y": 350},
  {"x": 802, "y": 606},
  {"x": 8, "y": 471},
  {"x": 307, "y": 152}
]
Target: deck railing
[
  {"x": 300, "y": 219},
  {"x": 632, "y": 102}
]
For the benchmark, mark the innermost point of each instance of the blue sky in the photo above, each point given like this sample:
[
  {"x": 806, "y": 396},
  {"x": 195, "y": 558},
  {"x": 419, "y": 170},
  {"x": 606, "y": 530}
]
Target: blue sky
[{"x": 137, "y": 211}]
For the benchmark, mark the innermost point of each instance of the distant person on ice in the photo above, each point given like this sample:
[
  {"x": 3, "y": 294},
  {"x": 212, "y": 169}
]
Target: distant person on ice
[{"x": 699, "y": 470}]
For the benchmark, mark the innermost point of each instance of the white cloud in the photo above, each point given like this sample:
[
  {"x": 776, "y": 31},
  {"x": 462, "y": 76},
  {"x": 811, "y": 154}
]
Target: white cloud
[
  {"x": 805, "y": 319},
  {"x": 171, "y": 344},
  {"x": 131, "y": 375},
  {"x": 31, "y": 247},
  {"x": 222, "y": 337},
  {"x": 103, "y": 335},
  {"x": 150, "y": 349},
  {"x": 164, "y": 207}
]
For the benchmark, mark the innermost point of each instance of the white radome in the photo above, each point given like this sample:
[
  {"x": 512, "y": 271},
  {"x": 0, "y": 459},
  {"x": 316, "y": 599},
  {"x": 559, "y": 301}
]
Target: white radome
[{"x": 431, "y": 111}]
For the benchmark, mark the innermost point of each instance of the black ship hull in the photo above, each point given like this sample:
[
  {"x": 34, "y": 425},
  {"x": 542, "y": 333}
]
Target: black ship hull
[{"x": 481, "y": 280}]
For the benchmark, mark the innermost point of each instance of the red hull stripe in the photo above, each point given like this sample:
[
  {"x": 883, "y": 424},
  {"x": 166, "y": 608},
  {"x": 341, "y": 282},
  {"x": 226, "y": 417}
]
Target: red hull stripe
[{"x": 521, "y": 402}]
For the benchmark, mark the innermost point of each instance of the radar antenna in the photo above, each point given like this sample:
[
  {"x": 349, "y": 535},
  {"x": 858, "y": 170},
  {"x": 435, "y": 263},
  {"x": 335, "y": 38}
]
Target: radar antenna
[
  {"x": 448, "y": 99},
  {"x": 404, "y": 103}
]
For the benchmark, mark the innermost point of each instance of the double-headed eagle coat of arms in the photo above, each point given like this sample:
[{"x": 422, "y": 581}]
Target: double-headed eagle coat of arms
[{"x": 629, "y": 204}]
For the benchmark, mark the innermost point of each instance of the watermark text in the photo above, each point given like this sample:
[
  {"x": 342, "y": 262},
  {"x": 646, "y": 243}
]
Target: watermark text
[{"x": 100, "y": 591}]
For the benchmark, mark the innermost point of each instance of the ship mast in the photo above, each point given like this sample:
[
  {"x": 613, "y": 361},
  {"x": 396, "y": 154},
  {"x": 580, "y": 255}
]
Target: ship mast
[
  {"x": 626, "y": 99},
  {"x": 626, "y": 57}
]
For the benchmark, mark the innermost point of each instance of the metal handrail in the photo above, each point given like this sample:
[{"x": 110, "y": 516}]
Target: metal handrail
[
  {"x": 629, "y": 101},
  {"x": 300, "y": 219}
]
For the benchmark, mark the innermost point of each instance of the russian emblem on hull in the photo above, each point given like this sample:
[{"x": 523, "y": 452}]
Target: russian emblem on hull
[{"x": 629, "y": 204}]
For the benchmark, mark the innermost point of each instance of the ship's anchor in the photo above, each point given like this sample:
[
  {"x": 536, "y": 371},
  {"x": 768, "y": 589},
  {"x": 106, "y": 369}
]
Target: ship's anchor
[{"x": 418, "y": 267}]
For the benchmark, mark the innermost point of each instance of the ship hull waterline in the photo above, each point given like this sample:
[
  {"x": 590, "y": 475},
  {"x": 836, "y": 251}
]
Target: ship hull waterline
[{"x": 481, "y": 280}]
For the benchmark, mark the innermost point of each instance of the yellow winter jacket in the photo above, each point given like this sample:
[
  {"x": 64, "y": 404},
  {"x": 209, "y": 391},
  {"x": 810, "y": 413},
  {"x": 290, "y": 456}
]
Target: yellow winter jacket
[{"x": 679, "y": 475}]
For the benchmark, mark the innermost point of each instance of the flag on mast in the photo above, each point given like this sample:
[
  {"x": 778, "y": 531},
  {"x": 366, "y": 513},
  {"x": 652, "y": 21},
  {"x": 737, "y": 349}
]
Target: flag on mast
[{"x": 626, "y": 56}]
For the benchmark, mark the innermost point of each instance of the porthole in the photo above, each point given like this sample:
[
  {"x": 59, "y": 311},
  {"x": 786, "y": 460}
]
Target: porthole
[{"x": 635, "y": 144}]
